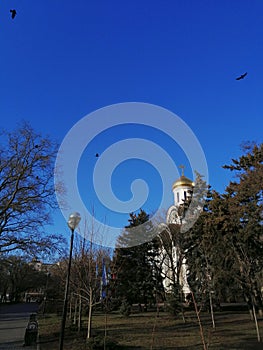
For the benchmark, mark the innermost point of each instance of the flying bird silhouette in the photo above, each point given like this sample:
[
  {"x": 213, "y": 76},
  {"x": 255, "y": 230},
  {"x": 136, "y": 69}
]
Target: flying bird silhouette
[
  {"x": 242, "y": 76},
  {"x": 13, "y": 13}
]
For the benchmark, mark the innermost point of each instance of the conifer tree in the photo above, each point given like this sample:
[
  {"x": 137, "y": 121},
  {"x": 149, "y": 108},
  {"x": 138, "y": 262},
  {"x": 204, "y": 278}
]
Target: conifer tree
[
  {"x": 245, "y": 231},
  {"x": 136, "y": 265}
]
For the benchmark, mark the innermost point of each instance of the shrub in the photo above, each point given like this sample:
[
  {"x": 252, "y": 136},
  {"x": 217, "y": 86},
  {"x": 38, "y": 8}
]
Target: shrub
[
  {"x": 125, "y": 308},
  {"x": 97, "y": 343}
]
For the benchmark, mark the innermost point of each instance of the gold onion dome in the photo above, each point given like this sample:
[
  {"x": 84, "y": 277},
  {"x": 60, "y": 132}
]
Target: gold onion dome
[{"x": 182, "y": 182}]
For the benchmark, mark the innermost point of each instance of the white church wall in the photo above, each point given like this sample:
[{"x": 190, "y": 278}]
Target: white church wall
[{"x": 180, "y": 194}]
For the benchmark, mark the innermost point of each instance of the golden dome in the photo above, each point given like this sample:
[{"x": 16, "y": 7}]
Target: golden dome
[{"x": 183, "y": 181}]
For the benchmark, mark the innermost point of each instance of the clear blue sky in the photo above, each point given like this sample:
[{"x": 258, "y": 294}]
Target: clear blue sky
[{"x": 61, "y": 60}]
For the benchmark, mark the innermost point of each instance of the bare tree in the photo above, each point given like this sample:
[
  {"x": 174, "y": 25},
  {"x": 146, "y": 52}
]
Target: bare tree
[
  {"x": 87, "y": 274},
  {"x": 173, "y": 266},
  {"x": 26, "y": 190}
]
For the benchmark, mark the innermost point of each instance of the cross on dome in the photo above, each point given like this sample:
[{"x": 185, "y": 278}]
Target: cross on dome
[{"x": 182, "y": 167}]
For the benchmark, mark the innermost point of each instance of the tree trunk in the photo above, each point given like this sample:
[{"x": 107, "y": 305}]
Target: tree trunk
[
  {"x": 105, "y": 329},
  {"x": 90, "y": 314},
  {"x": 79, "y": 315},
  {"x": 75, "y": 311},
  {"x": 70, "y": 308},
  {"x": 212, "y": 309},
  {"x": 256, "y": 321},
  {"x": 249, "y": 304},
  {"x": 258, "y": 300},
  {"x": 199, "y": 321}
]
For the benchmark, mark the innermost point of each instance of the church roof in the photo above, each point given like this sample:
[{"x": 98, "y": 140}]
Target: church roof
[{"x": 183, "y": 181}]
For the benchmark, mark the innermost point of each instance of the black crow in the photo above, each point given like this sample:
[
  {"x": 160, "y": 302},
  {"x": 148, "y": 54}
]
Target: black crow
[
  {"x": 13, "y": 13},
  {"x": 242, "y": 76}
]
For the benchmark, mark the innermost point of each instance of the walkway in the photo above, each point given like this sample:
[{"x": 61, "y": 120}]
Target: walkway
[{"x": 13, "y": 322}]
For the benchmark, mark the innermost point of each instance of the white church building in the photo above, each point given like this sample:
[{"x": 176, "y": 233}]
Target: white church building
[{"x": 182, "y": 189}]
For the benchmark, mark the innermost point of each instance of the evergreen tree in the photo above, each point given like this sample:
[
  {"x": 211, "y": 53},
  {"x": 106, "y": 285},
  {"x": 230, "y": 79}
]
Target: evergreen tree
[
  {"x": 136, "y": 266},
  {"x": 245, "y": 231},
  {"x": 226, "y": 243}
]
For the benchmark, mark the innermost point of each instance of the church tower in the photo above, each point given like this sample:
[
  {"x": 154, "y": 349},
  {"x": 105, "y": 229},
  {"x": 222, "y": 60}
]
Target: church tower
[{"x": 182, "y": 189}]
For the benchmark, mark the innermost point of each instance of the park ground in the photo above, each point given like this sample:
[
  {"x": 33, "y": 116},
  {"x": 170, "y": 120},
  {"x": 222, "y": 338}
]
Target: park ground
[
  {"x": 13, "y": 321},
  {"x": 234, "y": 330}
]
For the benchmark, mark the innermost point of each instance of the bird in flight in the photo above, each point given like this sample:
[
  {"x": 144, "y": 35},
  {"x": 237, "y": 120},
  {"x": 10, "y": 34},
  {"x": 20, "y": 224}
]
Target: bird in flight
[
  {"x": 242, "y": 76},
  {"x": 13, "y": 13}
]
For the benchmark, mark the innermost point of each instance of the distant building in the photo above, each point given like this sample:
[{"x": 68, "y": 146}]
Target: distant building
[
  {"x": 38, "y": 294},
  {"x": 38, "y": 265}
]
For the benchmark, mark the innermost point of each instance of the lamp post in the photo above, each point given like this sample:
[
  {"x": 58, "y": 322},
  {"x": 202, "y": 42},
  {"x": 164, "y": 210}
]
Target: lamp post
[
  {"x": 73, "y": 222},
  {"x": 45, "y": 296}
]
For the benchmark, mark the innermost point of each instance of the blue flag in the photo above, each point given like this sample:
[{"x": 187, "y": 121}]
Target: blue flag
[{"x": 103, "y": 281}]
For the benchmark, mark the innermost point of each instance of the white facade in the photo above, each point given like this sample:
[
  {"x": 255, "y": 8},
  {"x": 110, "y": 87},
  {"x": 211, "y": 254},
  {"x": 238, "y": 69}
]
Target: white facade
[{"x": 181, "y": 190}]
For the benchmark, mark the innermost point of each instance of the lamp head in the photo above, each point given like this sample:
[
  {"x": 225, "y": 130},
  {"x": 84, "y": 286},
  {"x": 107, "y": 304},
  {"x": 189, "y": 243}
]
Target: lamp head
[{"x": 74, "y": 220}]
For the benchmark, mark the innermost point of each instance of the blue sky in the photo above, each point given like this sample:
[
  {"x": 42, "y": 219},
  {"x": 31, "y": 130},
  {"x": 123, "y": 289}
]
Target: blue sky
[{"x": 61, "y": 60}]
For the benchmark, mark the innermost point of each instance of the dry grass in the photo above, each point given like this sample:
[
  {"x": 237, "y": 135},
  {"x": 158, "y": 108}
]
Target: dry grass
[{"x": 146, "y": 331}]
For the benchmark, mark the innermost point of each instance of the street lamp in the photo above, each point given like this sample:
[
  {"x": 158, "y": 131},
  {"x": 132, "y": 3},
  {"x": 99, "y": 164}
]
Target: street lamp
[
  {"x": 45, "y": 296},
  {"x": 73, "y": 222}
]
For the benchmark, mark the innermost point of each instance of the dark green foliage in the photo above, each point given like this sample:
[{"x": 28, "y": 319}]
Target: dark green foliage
[
  {"x": 112, "y": 304},
  {"x": 245, "y": 233},
  {"x": 225, "y": 246},
  {"x": 125, "y": 308},
  {"x": 135, "y": 266},
  {"x": 174, "y": 300},
  {"x": 100, "y": 343},
  {"x": 18, "y": 277}
]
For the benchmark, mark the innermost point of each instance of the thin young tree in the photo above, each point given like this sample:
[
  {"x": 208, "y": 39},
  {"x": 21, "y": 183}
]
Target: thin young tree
[
  {"x": 88, "y": 263},
  {"x": 173, "y": 268}
]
